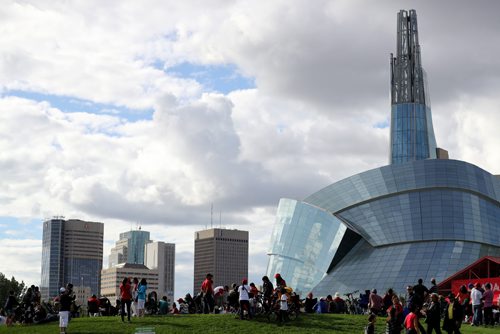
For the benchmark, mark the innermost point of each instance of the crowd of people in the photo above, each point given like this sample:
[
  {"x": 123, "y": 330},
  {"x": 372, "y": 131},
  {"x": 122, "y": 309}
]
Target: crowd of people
[
  {"x": 245, "y": 299},
  {"x": 473, "y": 305}
]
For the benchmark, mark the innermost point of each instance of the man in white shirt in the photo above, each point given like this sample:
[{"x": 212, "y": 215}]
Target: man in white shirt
[
  {"x": 283, "y": 316},
  {"x": 476, "y": 296},
  {"x": 244, "y": 299}
]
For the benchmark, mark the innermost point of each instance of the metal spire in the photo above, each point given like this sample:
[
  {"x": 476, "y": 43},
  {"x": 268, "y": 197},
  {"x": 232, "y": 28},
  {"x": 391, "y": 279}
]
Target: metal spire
[{"x": 407, "y": 77}]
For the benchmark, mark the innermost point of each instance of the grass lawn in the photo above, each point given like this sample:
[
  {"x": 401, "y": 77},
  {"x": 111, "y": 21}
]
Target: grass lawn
[{"x": 325, "y": 323}]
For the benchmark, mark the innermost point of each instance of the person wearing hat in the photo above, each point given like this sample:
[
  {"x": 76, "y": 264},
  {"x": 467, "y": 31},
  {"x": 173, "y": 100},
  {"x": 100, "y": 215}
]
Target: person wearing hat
[
  {"x": 244, "y": 299},
  {"x": 453, "y": 316},
  {"x": 64, "y": 308},
  {"x": 433, "y": 315},
  {"x": 208, "y": 294}
]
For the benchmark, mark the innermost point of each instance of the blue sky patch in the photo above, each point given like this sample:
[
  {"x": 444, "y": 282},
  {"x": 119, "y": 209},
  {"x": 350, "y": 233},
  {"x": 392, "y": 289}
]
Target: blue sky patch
[
  {"x": 19, "y": 228},
  {"x": 382, "y": 125},
  {"x": 219, "y": 78},
  {"x": 72, "y": 104}
]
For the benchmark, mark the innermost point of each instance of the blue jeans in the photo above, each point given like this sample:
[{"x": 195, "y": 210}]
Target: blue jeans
[{"x": 478, "y": 315}]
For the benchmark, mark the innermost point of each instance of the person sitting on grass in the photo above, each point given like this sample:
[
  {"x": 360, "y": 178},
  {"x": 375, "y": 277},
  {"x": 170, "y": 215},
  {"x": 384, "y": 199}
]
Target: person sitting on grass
[
  {"x": 183, "y": 306},
  {"x": 163, "y": 305},
  {"x": 175, "y": 310}
]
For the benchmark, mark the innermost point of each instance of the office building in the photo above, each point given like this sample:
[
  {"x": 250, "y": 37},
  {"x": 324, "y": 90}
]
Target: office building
[
  {"x": 72, "y": 252},
  {"x": 221, "y": 252},
  {"x": 130, "y": 248},
  {"x": 422, "y": 216},
  {"x": 112, "y": 278},
  {"x": 160, "y": 256}
]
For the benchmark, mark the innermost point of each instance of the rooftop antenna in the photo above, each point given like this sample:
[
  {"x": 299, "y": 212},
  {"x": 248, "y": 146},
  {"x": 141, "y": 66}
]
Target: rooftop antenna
[{"x": 220, "y": 218}]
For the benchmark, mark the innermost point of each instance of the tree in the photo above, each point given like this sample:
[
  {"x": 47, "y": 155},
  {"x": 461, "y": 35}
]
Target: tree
[{"x": 7, "y": 285}]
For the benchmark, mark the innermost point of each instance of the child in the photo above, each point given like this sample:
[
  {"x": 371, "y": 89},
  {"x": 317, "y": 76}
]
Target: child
[
  {"x": 370, "y": 328},
  {"x": 283, "y": 317},
  {"x": 393, "y": 325}
]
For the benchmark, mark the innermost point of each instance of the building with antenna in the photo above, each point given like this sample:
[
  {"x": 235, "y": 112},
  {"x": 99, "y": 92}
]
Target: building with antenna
[
  {"x": 129, "y": 248},
  {"x": 221, "y": 252},
  {"x": 136, "y": 255},
  {"x": 421, "y": 216},
  {"x": 72, "y": 252}
]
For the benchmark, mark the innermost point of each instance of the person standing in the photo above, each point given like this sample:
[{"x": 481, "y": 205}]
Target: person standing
[
  {"x": 392, "y": 324},
  {"x": 10, "y": 303},
  {"x": 141, "y": 297},
  {"x": 434, "y": 287},
  {"x": 134, "y": 287},
  {"x": 476, "y": 296},
  {"x": 488, "y": 305},
  {"x": 375, "y": 304},
  {"x": 244, "y": 299},
  {"x": 453, "y": 316},
  {"x": 64, "y": 309},
  {"x": 125, "y": 298},
  {"x": 267, "y": 291},
  {"x": 421, "y": 291},
  {"x": 208, "y": 294},
  {"x": 280, "y": 282},
  {"x": 283, "y": 315},
  {"x": 411, "y": 321},
  {"x": 433, "y": 313}
]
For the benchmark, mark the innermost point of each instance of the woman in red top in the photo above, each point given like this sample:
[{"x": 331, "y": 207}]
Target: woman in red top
[
  {"x": 126, "y": 298},
  {"x": 411, "y": 321}
]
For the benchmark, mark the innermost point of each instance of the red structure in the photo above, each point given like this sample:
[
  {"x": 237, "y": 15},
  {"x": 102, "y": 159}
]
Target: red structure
[{"x": 485, "y": 270}]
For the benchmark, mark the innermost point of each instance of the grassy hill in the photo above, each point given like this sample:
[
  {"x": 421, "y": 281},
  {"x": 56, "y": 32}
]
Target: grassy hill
[{"x": 324, "y": 323}]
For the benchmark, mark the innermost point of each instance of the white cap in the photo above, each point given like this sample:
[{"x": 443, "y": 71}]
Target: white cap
[{"x": 62, "y": 290}]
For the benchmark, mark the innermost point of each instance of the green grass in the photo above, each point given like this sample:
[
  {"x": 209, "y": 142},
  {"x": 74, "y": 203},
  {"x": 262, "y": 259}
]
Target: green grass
[{"x": 324, "y": 323}]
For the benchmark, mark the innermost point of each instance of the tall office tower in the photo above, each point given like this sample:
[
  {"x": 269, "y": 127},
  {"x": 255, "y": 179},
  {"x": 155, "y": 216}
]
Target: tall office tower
[
  {"x": 130, "y": 248},
  {"x": 221, "y": 252},
  {"x": 71, "y": 253},
  {"x": 160, "y": 256},
  {"x": 412, "y": 134}
]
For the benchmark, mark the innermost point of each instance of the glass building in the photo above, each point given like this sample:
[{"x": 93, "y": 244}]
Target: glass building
[
  {"x": 419, "y": 217},
  {"x": 130, "y": 248},
  {"x": 72, "y": 252}
]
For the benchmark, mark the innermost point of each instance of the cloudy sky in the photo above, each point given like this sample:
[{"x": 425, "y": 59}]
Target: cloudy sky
[{"x": 146, "y": 112}]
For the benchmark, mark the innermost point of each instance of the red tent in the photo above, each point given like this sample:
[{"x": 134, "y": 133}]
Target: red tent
[{"x": 485, "y": 270}]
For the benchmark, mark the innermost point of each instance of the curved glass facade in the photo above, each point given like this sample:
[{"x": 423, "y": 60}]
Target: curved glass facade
[
  {"x": 422, "y": 219},
  {"x": 303, "y": 242},
  {"x": 399, "y": 265}
]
